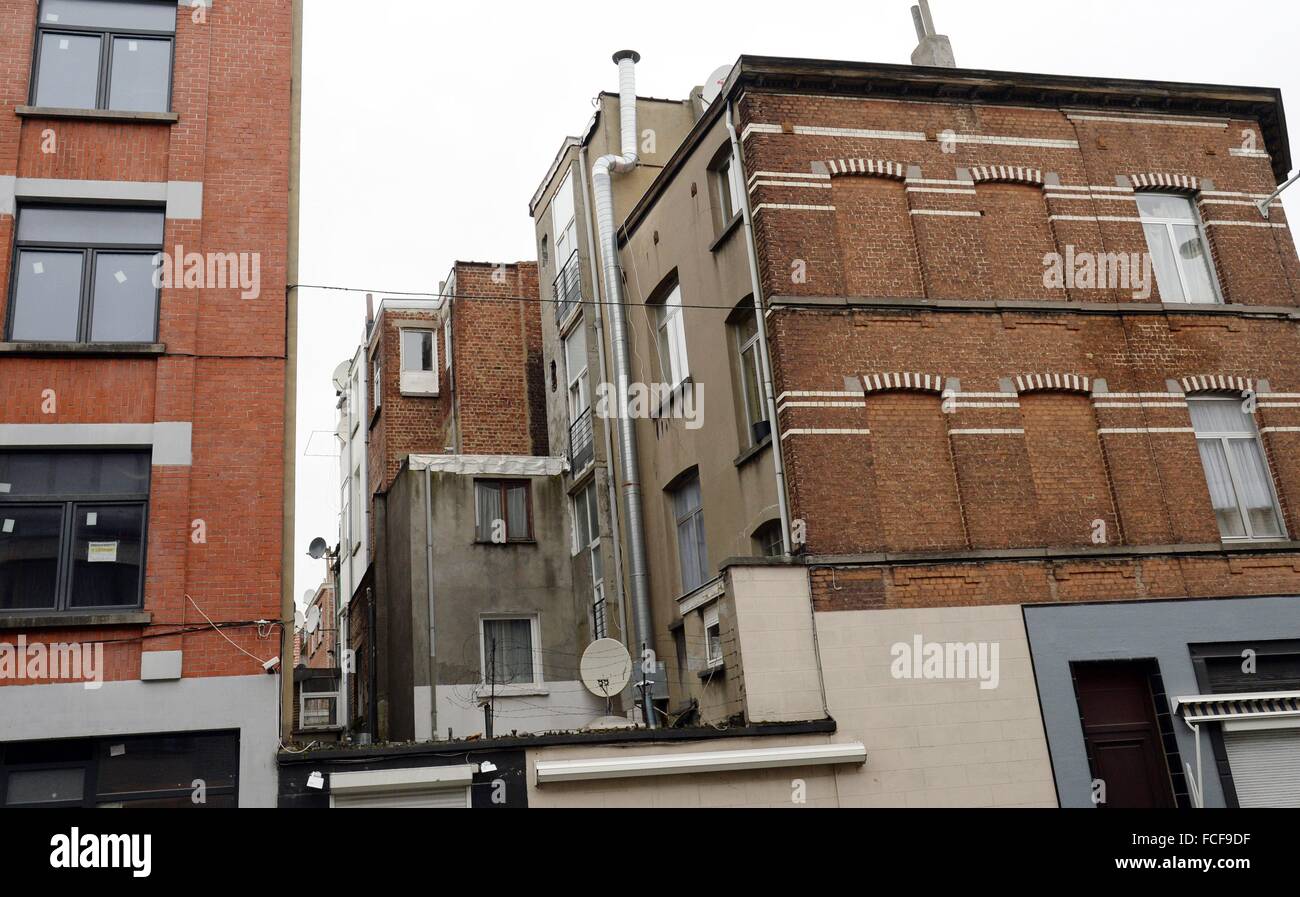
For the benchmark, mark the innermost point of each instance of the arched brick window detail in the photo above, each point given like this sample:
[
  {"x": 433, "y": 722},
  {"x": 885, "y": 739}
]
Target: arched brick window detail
[
  {"x": 1006, "y": 174},
  {"x": 873, "y": 226},
  {"x": 1017, "y": 232},
  {"x": 915, "y": 484},
  {"x": 1165, "y": 181},
  {"x": 1029, "y": 383},
  {"x": 1216, "y": 383}
]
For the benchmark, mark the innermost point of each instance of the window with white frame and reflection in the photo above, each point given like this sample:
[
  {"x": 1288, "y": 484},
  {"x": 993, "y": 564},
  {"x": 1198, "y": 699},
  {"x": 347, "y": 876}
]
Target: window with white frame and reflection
[
  {"x": 586, "y": 535},
  {"x": 1236, "y": 469},
  {"x": 1180, "y": 252}
]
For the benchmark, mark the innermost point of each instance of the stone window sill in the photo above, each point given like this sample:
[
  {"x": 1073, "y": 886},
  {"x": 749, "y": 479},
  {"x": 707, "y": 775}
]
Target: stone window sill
[
  {"x": 163, "y": 118},
  {"x": 51, "y": 620},
  {"x": 24, "y": 347}
]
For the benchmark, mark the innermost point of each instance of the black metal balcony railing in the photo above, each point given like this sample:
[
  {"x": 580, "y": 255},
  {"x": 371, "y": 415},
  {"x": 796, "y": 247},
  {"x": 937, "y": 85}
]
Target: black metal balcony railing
[
  {"x": 582, "y": 446},
  {"x": 567, "y": 288}
]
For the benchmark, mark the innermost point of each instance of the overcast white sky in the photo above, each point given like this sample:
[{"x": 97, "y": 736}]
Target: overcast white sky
[{"x": 427, "y": 126}]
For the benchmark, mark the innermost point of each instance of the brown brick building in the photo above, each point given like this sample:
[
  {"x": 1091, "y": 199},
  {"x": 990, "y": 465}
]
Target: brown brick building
[
  {"x": 1030, "y": 352},
  {"x": 145, "y": 179}
]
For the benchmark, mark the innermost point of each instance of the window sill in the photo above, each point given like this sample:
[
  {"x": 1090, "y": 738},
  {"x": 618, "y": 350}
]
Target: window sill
[
  {"x": 506, "y": 543},
  {"x": 117, "y": 115},
  {"x": 27, "y": 347},
  {"x": 718, "y": 669},
  {"x": 526, "y": 690},
  {"x": 753, "y": 451},
  {"x": 419, "y": 393},
  {"x": 51, "y": 620},
  {"x": 728, "y": 229}
]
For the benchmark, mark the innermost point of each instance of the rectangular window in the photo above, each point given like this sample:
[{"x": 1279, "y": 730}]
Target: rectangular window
[
  {"x": 1236, "y": 471},
  {"x": 563, "y": 221},
  {"x": 502, "y": 511},
  {"x": 671, "y": 337},
  {"x": 691, "y": 551},
  {"x": 85, "y": 275},
  {"x": 358, "y": 507},
  {"x": 575, "y": 365},
  {"x": 1180, "y": 254},
  {"x": 727, "y": 180},
  {"x": 586, "y": 529},
  {"x": 72, "y": 530},
  {"x": 509, "y": 653},
  {"x": 751, "y": 380},
  {"x": 712, "y": 637},
  {"x": 377, "y": 387},
  {"x": 419, "y": 362},
  {"x": 107, "y": 54}
]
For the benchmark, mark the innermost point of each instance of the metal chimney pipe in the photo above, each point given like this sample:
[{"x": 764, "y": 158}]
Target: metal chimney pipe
[{"x": 602, "y": 186}]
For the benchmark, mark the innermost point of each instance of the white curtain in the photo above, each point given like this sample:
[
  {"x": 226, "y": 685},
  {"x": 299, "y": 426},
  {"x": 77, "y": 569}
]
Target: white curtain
[
  {"x": 1222, "y": 496},
  {"x": 487, "y": 500},
  {"x": 1256, "y": 496}
]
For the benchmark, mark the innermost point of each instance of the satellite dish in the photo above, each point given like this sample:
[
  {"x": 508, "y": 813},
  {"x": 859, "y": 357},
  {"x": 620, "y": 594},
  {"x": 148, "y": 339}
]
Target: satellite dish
[
  {"x": 341, "y": 375},
  {"x": 298, "y": 620},
  {"x": 313, "y": 618},
  {"x": 318, "y": 548},
  {"x": 606, "y": 667},
  {"x": 713, "y": 84}
]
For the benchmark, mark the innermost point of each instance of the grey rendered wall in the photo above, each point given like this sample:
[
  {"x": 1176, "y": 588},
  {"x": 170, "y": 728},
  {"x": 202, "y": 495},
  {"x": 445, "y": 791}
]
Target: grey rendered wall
[{"x": 1161, "y": 630}]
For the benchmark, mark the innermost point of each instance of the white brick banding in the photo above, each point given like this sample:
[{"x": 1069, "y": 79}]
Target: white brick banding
[{"x": 1015, "y": 174}]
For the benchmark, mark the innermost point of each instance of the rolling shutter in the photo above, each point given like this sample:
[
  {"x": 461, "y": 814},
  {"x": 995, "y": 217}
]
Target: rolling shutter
[
  {"x": 439, "y": 798},
  {"x": 1265, "y": 766}
]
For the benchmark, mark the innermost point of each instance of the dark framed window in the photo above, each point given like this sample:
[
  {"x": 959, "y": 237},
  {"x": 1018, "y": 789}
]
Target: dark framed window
[
  {"x": 191, "y": 769},
  {"x": 503, "y": 511},
  {"x": 104, "y": 54},
  {"x": 72, "y": 530},
  {"x": 85, "y": 274},
  {"x": 688, "y": 512}
]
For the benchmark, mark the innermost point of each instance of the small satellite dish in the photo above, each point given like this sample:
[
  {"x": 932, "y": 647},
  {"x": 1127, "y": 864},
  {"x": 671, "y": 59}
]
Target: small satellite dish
[
  {"x": 318, "y": 548},
  {"x": 606, "y": 667},
  {"x": 713, "y": 84},
  {"x": 341, "y": 375},
  {"x": 313, "y": 618},
  {"x": 298, "y": 620}
]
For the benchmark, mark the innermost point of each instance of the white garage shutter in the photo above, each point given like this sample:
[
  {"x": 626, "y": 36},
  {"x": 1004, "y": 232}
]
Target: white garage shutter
[
  {"x": 1265, "y": 766},
  {"x": 439, "y": 798}
]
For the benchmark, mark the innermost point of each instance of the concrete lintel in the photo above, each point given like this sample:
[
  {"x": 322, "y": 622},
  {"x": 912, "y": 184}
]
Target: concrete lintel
[{"x": 171, "y": 441}]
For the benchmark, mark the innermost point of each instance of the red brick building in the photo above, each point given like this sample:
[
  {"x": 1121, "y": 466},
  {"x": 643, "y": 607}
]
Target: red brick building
[{"x": 145, "y": 180}]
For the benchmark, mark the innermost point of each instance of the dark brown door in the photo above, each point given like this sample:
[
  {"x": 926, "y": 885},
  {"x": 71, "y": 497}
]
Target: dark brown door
[{"x": 1121, "y": 734}]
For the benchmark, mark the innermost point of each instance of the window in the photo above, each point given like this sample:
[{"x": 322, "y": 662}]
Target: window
[
  {"x": 768, "y": 540},
  {"x": 318, "y": 702},
  {"x": 575, "y": 365},
  {"x": 85, "y": 274},
  {"x": 1241, "y": 487},
  {"x": 72, "y": 530},
  {"x": 353, "y": 403},
  {"x": 727, "y": 184},
  {"x": 690, "y": 534},
  {"x": 419, "y": 362},
  {"x": 503, "y": 511},
  {"x": 751, "y": 380},
  {"x": 586, "y": 534},
  {"x": 509, "y": 653},
  {"x": 1180, "y": 253},
  {"x": 109, "y": 54},
  {"x": 712, "y": 637},
  {"x": 545, "y": 253},
  {"x": 377, "y": 388},
  {"x": 446, "y": 343},
  {"x": 564, "y": 224},
  {"x": 345, "y": 520},
  {"x": 358, "y": 507},
  {"x": 122, "y": 771},
  {"x": 671, "y": 337}
]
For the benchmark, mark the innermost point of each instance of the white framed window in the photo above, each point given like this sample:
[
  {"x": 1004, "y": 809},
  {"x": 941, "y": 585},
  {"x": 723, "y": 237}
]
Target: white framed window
[
  {"x": 1180, "y": 254},
  {"x": 575, "y": 366},
  {"x": 691, "y": 551},
  {"x": 586, "y": 534},
  {"x": 670, "y": 333},
  {"x": 563, "y": 221},
  {"x": 318, "y": 703},
  {"x": 419, "y": 362},
  {"x": 358, "y": 510},
  {"x": 446, "y": 343},
  {"x": 748, "y": 358},
  {"x": 345, "y": 520},
  {"x": 377, "y": 386},
  {"x": 1236, "y": 470},
  {"x": 354, "y": 406},
  {"x": 712, "y": 637},
  {"x": 510, "y": 650},
  {"x": 727, "y": 185}
]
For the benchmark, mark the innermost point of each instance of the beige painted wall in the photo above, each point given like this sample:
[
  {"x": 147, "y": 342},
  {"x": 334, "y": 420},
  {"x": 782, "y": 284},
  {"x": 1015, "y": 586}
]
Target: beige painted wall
[
  {"x": 937, "y": 742},
  {"x": 753, "y": 788},
  {"x": 778, "y": 650}
]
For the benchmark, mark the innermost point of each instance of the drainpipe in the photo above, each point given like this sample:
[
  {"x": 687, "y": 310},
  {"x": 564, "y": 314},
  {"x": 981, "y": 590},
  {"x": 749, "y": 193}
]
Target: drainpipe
[
  {"x": 611, "y": 479},
  {"x": 428, "y": 574},
  {"x": 764, "y": 359},
  {"x": 602, "y": 186}
]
